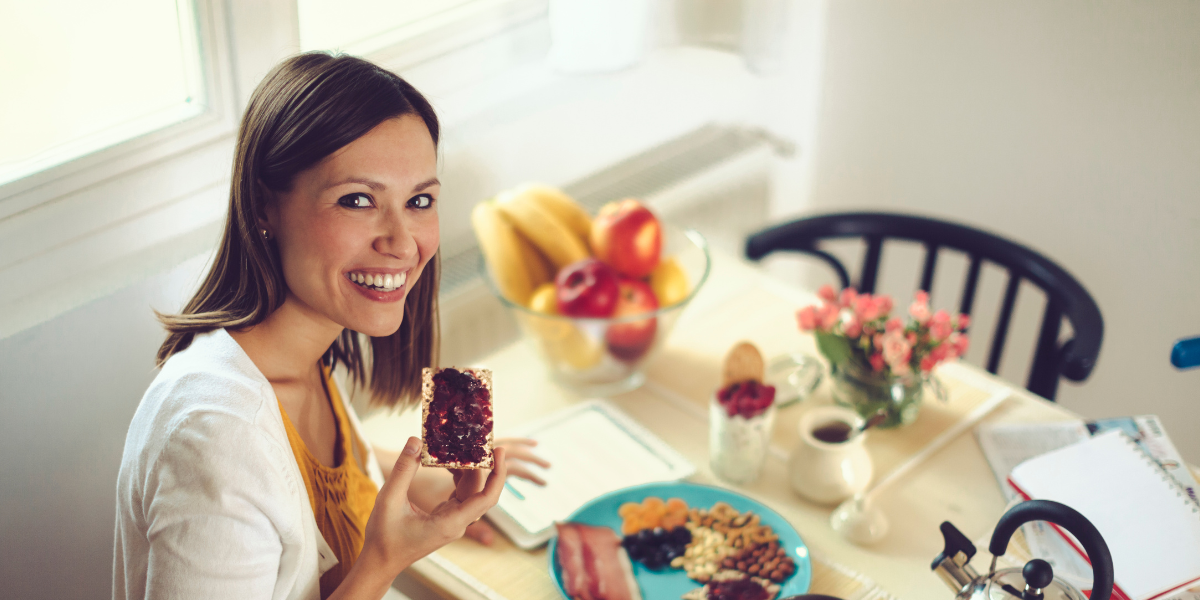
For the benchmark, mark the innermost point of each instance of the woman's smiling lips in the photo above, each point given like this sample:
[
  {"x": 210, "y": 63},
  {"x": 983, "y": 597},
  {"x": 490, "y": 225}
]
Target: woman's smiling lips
[{"x": 379, "y": 286}]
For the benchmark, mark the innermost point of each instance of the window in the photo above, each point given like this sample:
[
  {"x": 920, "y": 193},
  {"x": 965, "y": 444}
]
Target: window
[
  {"x": 80, "y": 76},
  {"x": 118, "y": 121}
]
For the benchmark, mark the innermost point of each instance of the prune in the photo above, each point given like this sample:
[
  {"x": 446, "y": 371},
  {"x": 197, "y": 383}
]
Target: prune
[{"x": 655, "y": 548}]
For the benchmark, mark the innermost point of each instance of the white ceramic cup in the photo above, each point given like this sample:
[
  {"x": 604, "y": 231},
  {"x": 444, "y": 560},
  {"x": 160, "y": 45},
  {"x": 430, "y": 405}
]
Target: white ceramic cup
[{"x": 829, "y": 471}]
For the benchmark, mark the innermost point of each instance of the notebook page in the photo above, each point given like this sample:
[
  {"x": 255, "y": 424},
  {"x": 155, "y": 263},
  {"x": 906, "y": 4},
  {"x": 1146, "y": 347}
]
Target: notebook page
[
  {"x": 590, "y": 454},
  {"x": 1151, "y": 527}
]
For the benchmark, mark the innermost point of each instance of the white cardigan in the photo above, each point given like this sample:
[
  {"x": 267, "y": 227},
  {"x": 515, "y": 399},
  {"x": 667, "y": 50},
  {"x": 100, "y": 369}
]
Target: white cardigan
[{"x": 210, "y": 501}]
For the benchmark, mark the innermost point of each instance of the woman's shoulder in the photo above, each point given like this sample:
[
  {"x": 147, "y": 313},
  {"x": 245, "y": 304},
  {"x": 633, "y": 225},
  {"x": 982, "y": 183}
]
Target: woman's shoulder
[{"x": 211, "y": 381}]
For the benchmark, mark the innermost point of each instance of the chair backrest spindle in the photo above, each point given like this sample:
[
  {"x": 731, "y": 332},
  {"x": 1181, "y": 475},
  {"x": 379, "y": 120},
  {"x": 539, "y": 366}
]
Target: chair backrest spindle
[
  {"x": 1001, "y": 333},
  {"x": 968, "y": 295},
  {"x": 870, "y": 270},
  {"x": 931, "y": 254}
]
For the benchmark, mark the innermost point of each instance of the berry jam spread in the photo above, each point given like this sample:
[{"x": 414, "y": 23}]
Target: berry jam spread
[
  {"x": 737, "y": 589},
  {"x": 747, "y": 398},
  {"x": 460, "y": 418}
]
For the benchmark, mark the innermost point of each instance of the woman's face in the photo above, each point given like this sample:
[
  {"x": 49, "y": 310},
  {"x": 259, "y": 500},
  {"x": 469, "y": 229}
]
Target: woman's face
[{"x": 357, "y": 229}]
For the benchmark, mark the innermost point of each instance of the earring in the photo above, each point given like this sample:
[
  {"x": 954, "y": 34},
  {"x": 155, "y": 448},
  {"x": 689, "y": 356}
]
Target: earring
[{"x": 266, "y": 234}]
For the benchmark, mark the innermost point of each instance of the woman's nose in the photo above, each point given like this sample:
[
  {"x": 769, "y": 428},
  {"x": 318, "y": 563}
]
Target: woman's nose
[{"x": 395, "y": 236}]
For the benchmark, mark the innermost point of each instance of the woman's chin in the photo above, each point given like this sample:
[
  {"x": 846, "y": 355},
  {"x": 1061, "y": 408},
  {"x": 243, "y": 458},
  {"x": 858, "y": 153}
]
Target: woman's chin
[{"x": 376, "y": 328}]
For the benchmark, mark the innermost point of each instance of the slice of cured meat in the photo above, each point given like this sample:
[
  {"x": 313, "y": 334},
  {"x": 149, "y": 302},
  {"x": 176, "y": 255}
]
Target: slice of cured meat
[
  {"x": 596, "y": 553},
  {"x": 570, "y": 560}
]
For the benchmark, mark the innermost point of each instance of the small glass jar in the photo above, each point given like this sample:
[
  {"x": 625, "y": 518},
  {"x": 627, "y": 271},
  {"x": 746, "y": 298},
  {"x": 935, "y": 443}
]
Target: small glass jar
[
  {"x": 737, "y": 446},
  {"x": 868, "y": 392}
]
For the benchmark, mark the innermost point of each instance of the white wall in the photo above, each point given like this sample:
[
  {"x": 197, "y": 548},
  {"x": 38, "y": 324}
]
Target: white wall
[
  {"x": 1070, "y": 126},
  {"x": 68, "y": 389}
]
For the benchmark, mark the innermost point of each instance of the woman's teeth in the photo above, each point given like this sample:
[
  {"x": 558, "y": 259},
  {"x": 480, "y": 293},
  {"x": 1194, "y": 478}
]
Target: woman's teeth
[{"x": 382, "y": 283}]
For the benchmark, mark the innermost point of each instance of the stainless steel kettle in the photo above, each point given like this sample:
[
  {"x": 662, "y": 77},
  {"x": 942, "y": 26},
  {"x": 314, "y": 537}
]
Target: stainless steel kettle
[{"x": 1036, "y": 580}]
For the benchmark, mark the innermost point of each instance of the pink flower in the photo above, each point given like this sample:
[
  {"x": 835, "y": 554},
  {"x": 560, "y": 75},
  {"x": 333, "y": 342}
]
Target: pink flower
[
  {"x": 897, "y": 351},
  {"x": 869, "y": 308},
  {"x": 927, "y": 364},
  {"x": 884, "y": 305},
  {"x": 862, "y": 307},
  {"x": 827, "y": 294},
  {"x": 852, "y": 327},
  {"x": 940, "y": 353},
  {"x": 920, "y": 308},
  {"x": 960, "y": 342},
  {"x": 848, "y": 296},
  {"x": 940, "y": 326},
  {"x": 964, "y": 321},
  {"x": 911, "y": 337},
  {"x": 876, "y": 361},
  {"x": 827, "y": 317},
  {"x": 807, "y": 318},
  {"x": 893, "y": 324}
]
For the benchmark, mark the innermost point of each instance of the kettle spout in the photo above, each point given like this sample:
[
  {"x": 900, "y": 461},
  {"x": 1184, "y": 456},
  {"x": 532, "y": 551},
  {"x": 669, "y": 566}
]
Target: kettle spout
[{"x": 951, "y": 565}]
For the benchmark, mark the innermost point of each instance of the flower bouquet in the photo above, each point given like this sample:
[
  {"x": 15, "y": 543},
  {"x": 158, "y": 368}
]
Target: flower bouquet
[{"x": 878, "y": 362}]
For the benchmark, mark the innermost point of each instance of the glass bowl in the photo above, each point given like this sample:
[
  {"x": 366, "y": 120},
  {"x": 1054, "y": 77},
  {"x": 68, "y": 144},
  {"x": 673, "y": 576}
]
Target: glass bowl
[{"x": 576, "y": 351}]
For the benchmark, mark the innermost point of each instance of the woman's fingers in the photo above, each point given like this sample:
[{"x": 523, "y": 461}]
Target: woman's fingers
[
  {"x": 527, "y": 455},
  {"x": 516, "y": 441},
  {"x": 481, "y": 532},
  {"x": 516, "y": 470},
  {"x": 479, "y": 503},
  {"x": 467, "y": 483},
  {"x": 403, "y": 471}
]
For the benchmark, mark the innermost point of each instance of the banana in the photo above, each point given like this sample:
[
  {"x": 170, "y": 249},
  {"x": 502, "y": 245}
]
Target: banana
[
  {"x": 549, "y": 234},
  {"x": 501, "y": 247},
  {"x": 559, "y": 204},
  {"x": 536, "y": 265}
]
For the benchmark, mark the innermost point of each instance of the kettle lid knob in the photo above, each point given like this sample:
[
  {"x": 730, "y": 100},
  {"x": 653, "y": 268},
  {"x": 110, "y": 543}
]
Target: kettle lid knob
[{"x": 1038, "y": 574}]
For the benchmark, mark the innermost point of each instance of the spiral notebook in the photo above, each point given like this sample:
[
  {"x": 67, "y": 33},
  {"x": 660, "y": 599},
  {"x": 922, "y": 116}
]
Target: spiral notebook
[{"x": 1150, "y": 525}]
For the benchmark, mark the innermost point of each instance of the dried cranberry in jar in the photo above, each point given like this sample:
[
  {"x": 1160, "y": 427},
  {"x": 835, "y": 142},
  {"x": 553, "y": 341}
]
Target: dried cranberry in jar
[{"x": 746, "y": 398}]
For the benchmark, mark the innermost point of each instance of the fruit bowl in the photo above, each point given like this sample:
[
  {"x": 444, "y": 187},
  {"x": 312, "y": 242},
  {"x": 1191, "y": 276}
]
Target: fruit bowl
[{"x": 602, "y": 357}]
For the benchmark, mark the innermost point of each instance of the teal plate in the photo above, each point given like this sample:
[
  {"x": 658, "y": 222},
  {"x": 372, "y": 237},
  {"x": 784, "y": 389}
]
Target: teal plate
[{"x": 670, "y": 584}]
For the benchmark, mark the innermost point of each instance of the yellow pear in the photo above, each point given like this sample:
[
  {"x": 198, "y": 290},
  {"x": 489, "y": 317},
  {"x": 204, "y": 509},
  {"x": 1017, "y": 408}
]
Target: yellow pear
[{"x": 669, "y": 282}]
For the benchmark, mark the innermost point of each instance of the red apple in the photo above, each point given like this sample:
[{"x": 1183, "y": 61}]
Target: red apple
[
  {"x": 586, "y": 288},
  {"x": 627, "y": 236},
  {"x": 629, "y": 341}
]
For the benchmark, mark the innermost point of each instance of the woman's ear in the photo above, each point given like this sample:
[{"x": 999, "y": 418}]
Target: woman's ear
[{"x": 264, "y": 209}]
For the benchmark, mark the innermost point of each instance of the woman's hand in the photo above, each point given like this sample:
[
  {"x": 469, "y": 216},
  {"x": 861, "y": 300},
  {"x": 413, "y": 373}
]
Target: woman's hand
[
  {"x": 431, "y": 485},
  {"x": 399, "y": 532}
]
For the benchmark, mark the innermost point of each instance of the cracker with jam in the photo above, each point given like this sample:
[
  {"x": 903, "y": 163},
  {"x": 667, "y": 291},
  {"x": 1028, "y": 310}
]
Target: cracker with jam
[{"x": 456, "y": 418}]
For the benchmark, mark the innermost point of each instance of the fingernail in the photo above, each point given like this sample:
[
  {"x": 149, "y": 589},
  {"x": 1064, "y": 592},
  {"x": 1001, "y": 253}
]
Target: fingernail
[{"x": 412, "y": 446}]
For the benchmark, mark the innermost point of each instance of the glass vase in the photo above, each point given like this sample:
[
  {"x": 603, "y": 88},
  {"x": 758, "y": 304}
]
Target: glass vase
[{"x": 868, "y": 393}]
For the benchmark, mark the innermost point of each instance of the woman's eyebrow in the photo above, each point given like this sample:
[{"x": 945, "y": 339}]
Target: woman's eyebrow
[
  {"x": 374, "y": 185},
  {"x": 428, "y": 183}
]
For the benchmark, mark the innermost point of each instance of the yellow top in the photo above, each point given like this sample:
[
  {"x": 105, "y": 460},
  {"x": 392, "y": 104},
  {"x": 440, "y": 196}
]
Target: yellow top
[{"x": 342, "y": 496}]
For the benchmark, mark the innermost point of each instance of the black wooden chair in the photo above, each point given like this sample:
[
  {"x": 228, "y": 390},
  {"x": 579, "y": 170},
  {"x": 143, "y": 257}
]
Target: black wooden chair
[{"x": 1073, "y": 359}]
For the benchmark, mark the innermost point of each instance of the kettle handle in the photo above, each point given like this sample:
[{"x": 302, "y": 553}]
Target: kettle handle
[{"x": 1069, "y": 519}]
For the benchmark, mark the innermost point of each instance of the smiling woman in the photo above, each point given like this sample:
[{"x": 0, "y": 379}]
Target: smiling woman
[
  {"x": 246, "y": 473},
  {"x": 322, "y": 140}
]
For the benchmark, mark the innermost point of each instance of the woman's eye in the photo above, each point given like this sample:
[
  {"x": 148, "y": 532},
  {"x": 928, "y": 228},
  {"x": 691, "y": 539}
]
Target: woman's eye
[
  {"x": 355, "y": 201},
  {"x": 422, "y": 201}
]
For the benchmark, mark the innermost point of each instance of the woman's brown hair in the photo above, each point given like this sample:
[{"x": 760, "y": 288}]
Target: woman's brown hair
[{"x": 306, "y": 108}]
